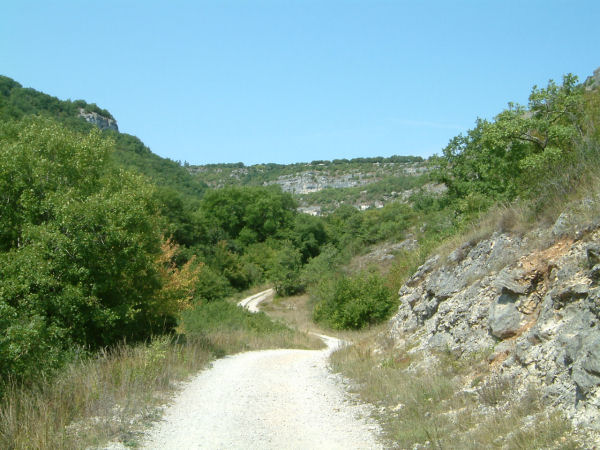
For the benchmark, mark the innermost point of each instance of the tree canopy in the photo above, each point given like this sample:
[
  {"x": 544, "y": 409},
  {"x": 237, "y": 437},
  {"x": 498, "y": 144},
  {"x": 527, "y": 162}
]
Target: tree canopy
[
  {"x": 80, "y": 247},
  {"x": 501, "y": 159}
]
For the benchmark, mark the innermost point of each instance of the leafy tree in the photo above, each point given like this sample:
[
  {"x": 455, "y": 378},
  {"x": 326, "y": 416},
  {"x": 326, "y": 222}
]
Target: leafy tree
[
  {"x": 498, "y": 160},
  {"x": 181, "y": 223},
  {"x": 81, "y": 260},
  {"x": 322, "y": 266},
  {"x": 249, "y": 214},
  {"x": 229, "y": 264},
  {"x": 285, "y": 270},
  {"x": 308, "y": 235}
]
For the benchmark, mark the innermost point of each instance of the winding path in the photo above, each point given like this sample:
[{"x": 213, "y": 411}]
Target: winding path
[
  {"x": 251, "y": 303},
  {"x": 271, "y": 399}
]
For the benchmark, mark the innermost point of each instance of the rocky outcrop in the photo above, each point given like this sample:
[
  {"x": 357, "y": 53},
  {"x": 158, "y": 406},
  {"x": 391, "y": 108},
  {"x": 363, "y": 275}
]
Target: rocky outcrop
[
  {"x": 593, "y": 81},
  {"x": 306, "y": 182},
  {"x": 535, "y": 312},
  {"x": 312, "y": 181},
  {"x": 104, "y": 123}
]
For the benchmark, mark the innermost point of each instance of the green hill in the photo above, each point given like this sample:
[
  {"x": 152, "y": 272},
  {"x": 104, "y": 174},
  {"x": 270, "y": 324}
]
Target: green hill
[
  {"x": 320, "y": 187},
  {"x": 130, "y": 152}
]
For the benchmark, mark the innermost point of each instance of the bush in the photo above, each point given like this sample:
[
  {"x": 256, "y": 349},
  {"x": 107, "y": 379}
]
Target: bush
[
  {"x": 354, "y": 302},
  {"x": 321, "y": 266},
  {"x": 211, "y": 285},
  {"x": 285, "y": 270}
]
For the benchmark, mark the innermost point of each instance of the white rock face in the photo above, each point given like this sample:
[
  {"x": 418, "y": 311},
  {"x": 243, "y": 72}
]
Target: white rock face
[{"x": 101, "y": 122}]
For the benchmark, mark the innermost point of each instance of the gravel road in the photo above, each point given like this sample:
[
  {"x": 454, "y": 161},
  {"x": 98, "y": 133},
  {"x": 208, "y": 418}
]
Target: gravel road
[
  {"x": 272, "y": 399},
  {"x": 251, "y": 303}
]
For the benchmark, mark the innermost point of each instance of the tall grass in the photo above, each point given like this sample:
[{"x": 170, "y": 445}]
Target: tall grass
[
  {"x": 107, "y": 397},
  {"x": 437, "y": 408}
]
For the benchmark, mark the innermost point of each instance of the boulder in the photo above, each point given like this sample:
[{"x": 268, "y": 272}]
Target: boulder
[{"x": 505, "y": 320}]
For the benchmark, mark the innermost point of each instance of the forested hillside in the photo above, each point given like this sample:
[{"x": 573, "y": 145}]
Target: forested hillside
[{"x": 131, "y": 153}]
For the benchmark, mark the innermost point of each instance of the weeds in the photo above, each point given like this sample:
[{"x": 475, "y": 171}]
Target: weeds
[{"x": 494, "y": 391}]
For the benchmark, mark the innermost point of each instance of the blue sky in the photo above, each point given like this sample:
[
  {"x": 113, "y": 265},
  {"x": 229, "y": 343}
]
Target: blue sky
[{"x": 288, "y": 81}]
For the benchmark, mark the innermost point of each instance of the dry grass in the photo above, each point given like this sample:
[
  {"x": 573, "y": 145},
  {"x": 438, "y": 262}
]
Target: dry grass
[
  {"x": 296, "y": 312},
  {"x": 433, "y": 408},
  {"x": 228, "y": 342},
  {"x": 108, "y": 397}
]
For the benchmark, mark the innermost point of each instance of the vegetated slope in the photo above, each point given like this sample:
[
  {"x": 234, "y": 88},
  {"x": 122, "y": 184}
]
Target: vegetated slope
[
  {"x": 78, "y": 115},
  {"x": 511, "y": 316},
  {"x": 322, "y": 186}
]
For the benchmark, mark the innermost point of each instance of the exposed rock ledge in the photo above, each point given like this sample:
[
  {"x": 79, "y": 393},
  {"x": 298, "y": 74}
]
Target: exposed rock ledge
[
  {"x": 101, "y": 122},
  {"x": 535, "y": 312}
]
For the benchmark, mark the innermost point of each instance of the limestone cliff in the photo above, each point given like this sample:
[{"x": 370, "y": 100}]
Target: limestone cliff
[
  {"x": 531, "y": 303},
  {"x": 101, "y": 122}
]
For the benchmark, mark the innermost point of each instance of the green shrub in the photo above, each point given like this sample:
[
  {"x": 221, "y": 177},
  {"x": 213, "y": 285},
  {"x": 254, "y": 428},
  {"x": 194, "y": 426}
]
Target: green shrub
[
  {"x": 80, "y": 248},
  {"x": 211, "y": 285},
  {"x": 321, "y": 266},
  {"x": 285, "y": 270},
  {"x": 354, "y": 302}
]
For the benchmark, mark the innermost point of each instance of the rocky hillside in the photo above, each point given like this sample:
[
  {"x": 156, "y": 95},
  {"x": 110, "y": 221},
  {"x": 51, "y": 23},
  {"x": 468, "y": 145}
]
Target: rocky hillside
[
  {"x": 310, "y": 181},
  {"x": 322, "y": 186},
  {"x": 530, "y": 303}
]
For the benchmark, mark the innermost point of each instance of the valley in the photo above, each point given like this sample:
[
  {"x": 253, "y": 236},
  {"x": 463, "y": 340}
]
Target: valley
[{"x": 466, "y": 283}]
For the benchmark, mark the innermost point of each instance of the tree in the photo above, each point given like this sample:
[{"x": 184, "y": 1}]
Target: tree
[
  {"x": 248, "y": 214},
  {"x": 499, "y": 160},
  {"x": 308, "y": 235},
  {"x": 285, "y": 270},
  {"x": 80, "y": 248}
]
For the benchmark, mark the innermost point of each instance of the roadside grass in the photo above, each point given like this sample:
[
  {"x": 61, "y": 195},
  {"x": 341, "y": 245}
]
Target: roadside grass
[
  {"x": 109, "y": 396},
  {"x": 233, "y": 329},
  {"x": 296, "y": 312},
  {"x": 115, "y": 394},
  {"x": 439, "y": 407}
]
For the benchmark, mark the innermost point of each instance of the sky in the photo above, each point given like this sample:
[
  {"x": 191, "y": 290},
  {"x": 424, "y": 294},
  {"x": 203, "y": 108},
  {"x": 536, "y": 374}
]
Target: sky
[{"x": 283, "y": 81}]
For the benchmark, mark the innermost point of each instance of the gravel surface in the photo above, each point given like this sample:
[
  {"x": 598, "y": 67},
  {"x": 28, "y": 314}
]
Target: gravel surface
[
  {"x": 271, "y": 399},
  {"x": 251, "y": 303}
]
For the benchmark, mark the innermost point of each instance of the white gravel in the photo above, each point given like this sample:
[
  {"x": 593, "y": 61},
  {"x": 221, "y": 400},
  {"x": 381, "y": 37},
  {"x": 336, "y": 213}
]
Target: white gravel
[
  {"x": 272, "y": 399},
  {"x": 251, "y": 303}
]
